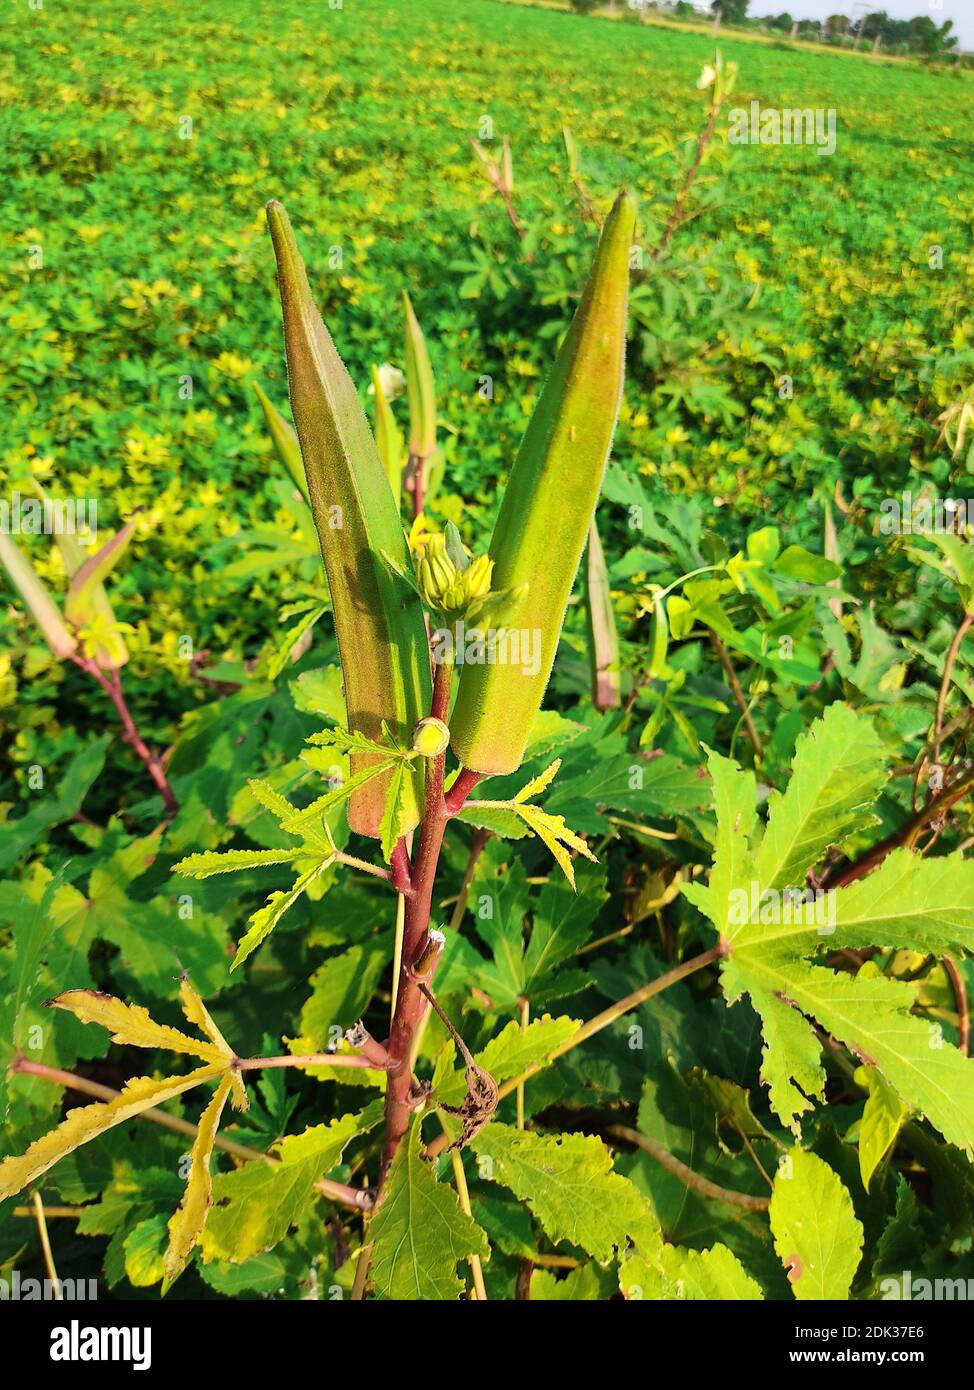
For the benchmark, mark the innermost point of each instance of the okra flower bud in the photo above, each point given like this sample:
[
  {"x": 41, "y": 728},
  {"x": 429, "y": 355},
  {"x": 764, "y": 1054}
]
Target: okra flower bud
[
  {"x": 431, "y": 737},
  {"x": 448, "y": 580},
  {"x": 547, "y": 507}
]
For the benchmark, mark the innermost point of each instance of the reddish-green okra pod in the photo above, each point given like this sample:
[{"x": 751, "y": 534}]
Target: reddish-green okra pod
[{"x": 378, "y": 619}]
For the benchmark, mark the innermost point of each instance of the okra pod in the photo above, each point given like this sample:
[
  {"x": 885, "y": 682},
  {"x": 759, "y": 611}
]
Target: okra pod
[
  {"x": 547, "y": 508},
  {"x": 382, "y": 639}
]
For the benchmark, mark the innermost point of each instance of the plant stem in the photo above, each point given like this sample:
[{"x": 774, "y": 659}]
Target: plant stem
[
  {"x": 525, "y": 1015},
  {"x": 480, "y": 838},
  {"x": 314, "y": 1059},
  {"x": 51, "y": 1213},
  {"x": 463, "y": 1194},
  {"x": 362, "y": 865},
  {"x": 723, "y": 657},
  {"x": 356, "y": 1198},
  {"x": 695, "y": 1181},
  {"x": 949, "y": 661},
  {"x": 112, "y": 686},
  {"x": 676, "y": 216},
  {"x": 907, "y": 834},
  {"x": 410, "y": 1003},
  {"x": 46, "y": 1246},
  {"x": 960, "y": 997}
]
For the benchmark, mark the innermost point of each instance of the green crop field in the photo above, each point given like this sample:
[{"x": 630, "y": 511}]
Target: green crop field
[{"x": 800, "y": 352}]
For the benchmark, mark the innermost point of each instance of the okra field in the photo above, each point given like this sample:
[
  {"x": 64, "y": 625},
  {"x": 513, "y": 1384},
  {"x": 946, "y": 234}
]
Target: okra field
[{"x": 486, "y": 683}]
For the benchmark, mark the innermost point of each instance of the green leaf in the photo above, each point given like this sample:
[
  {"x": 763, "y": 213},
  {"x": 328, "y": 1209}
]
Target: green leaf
[
  {"x": 419, "y": 1233},
  {"x": 255, "y": 1206},
  {"x": 54, "y": 809},
  {"x": 816, "y": 1232},
  {"x": 341, "y": 988},
  {"x": 882, "y": 1119},
  {"x": 765, "y": 955},
  {"x": 228, "y": 861},
  {"x": 714, "y": 1275},
  {"x": 798, "y": 563},
  {"x": 266, "y": 918},
  {"x": 580, "y": 1285},
  {"x": 568, "y": 1182},
  {"x": 838, "y": 772},
  {"x": 32, "y": 935},
  {"x": 394, "y": 819}
]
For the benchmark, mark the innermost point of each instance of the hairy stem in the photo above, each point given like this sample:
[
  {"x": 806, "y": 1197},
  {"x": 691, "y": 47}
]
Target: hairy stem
[{"x": 410, "y": 1003}]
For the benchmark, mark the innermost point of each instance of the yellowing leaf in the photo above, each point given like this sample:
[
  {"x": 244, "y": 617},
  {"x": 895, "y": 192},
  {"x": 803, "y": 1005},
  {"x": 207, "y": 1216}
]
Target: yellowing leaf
[
  {"x": 198, "y": 1014},
  {"x": 556, "y": 835},
  {"x": 89, "y": 1121},
  {"x": 549, "y": 828},
  {"x": 190, "y": 1217},
  {"x": 539, "y": 783},
  {"x": 131, "y": 1024}
]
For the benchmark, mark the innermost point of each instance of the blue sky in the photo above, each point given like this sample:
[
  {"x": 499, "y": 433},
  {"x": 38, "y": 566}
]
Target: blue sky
[{"x": 960, "y": 11}]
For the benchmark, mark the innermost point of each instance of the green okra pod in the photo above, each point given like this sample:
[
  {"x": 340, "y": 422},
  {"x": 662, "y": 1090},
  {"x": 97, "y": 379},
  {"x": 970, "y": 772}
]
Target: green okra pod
[
  {"x": 378, "y": 619},
  {"x": 547, "y": 508}
]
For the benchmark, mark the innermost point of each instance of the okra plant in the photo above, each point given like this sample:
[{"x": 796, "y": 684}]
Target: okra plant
[
  {"x": 405, "y": 619},
  {"x": 792, "y": 886}
]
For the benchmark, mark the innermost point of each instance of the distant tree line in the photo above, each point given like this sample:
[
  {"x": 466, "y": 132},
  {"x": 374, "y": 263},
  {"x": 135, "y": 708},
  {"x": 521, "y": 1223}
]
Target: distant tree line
[{"x": 919, "y": 35}]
